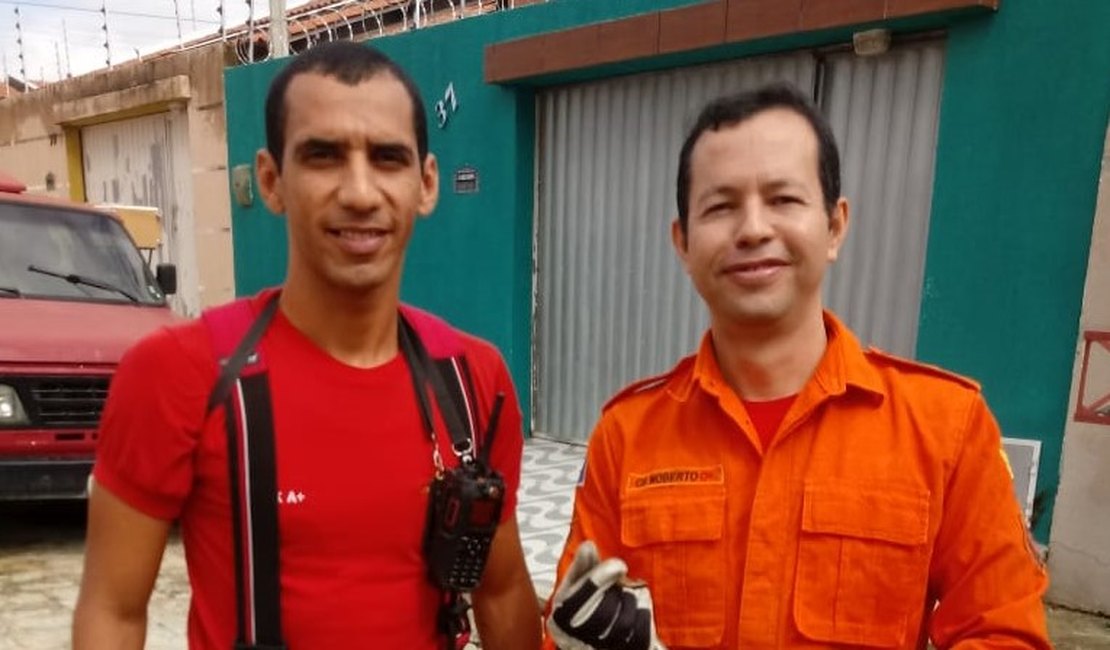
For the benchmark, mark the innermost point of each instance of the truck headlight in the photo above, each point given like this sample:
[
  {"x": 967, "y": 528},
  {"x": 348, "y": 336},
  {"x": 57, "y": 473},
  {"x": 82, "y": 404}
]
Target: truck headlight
[{"x": 11, "y": 409}]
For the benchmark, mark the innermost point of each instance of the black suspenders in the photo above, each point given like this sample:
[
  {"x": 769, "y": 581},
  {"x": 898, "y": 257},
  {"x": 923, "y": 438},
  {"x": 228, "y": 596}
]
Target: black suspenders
[
  {"x": 243, "y": 389},
  {"x": 248, "y": 417}
]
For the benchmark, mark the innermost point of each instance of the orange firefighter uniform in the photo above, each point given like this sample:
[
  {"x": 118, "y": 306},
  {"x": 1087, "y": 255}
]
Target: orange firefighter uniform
[{"x": 881, "y": 514}]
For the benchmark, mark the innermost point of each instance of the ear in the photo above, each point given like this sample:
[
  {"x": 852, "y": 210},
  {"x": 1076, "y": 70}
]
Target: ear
[
  {"x": 269, "y": 181},
  {"x": 678, "y": 240},
  {"x": 429, "y": 185},
  {"x": 838, "y": 227}
]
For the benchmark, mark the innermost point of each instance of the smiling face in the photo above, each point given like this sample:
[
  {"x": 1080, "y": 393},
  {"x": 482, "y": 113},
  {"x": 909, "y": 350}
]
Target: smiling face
[
  {"x": 351, "y": 182},
  {"x": 759, "y": 238}
]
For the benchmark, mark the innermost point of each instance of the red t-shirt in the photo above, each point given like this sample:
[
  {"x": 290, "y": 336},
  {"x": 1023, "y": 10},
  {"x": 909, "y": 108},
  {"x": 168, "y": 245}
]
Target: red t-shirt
[{"x": 353, "y": 466}]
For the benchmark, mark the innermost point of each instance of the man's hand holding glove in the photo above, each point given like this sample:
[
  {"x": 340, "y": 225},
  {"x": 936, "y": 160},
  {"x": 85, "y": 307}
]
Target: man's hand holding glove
[{"x": 597, "y": 608}]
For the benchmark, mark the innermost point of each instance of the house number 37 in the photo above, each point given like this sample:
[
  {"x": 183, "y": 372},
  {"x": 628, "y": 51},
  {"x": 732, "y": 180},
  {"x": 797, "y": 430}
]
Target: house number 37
[{"x": 447, "y": 106}]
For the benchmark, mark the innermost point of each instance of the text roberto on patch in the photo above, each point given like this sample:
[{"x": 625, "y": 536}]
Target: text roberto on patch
[{"x": 677, "y": 475}]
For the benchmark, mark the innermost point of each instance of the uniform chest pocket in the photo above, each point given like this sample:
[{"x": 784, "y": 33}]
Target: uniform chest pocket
[
  {"x": 863, "y": 563},
  {"x": 676, "y": 541}
]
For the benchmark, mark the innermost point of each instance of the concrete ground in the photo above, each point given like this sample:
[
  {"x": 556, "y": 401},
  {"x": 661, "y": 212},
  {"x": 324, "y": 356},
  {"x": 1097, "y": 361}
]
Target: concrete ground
[
  {"x": 41, "y": 556},
  {"x": 1078, "y": 631}
]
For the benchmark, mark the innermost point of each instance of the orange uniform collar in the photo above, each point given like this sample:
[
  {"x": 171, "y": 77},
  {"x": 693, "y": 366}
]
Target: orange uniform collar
[{"x": 844, "y": 365}]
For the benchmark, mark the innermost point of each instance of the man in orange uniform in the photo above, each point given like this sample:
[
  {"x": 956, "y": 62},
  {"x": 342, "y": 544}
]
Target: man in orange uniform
[{"x": 783, "y": 487}]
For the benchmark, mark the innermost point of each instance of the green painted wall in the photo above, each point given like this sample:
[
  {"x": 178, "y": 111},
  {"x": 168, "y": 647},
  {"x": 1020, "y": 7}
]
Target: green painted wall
[
  {"x": 471, "y": 261},
  {"x": 1023, "y": 116}
]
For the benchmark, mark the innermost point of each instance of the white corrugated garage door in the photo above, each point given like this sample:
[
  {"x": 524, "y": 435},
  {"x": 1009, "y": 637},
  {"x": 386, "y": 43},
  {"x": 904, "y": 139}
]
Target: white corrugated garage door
[
  {"x": 145, "y": 161},
  {"x": 884, "y": 111},
  {"x": 611, "y": 301}
]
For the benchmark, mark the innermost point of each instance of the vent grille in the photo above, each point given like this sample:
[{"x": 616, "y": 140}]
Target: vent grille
[{"x": 71, "y": 402}]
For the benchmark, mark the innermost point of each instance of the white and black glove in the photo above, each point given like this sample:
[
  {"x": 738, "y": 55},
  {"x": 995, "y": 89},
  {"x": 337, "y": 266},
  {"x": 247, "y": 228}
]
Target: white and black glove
[{"x": 597, "y": 608}]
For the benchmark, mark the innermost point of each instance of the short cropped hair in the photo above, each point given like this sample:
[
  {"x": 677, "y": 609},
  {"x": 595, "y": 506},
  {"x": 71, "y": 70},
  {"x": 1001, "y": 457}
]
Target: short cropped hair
[
  {"x": 734, "y": 109},
  {"x": 350, "y": 63}
]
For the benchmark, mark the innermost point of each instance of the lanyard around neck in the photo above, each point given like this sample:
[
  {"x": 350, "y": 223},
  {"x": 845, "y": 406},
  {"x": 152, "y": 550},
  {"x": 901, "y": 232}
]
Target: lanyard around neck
[{"x": 424, "y": 373}]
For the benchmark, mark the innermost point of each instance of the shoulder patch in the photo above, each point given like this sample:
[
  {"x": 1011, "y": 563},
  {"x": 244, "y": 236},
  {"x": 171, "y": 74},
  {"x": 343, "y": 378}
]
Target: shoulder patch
[
  {"x": 637, "y": 387},
  {"x": 909, "y": 365}
]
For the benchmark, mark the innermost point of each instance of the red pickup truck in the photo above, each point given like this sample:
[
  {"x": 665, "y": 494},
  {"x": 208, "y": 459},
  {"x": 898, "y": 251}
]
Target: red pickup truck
[{"x": 75, "y": 293}]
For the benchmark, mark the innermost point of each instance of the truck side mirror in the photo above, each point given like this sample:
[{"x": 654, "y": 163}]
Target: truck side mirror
[{"x": 166, "y": 274}]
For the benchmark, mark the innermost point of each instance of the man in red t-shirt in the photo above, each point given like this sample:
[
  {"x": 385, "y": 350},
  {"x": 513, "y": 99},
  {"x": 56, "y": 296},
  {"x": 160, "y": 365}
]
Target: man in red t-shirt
[{"x": 347, "y": 164}]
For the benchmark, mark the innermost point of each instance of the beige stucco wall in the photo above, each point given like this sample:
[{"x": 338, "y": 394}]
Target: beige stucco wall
[
  {"x": 34, "y": 129},
  {"x": 1079, "y": 551},
  {"x": 31, "y": 147},
  {"x": 211, "y": 202}
]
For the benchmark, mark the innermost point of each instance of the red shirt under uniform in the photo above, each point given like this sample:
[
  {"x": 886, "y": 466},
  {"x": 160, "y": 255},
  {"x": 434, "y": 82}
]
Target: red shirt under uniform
[
  {"x": 767, "y": 417},
  {"x": 353, "y": 466}
]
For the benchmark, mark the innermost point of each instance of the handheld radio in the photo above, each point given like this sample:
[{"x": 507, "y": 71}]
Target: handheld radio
[{"x": 464, "y": 510}]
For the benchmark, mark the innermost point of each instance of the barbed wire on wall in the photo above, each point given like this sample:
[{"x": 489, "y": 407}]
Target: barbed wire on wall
[
  {"x": 351, "y": 19},
  {"x": 250, "y": 41}
]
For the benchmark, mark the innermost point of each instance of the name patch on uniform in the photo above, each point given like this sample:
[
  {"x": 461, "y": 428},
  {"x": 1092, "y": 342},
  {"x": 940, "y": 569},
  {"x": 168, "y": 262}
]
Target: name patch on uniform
[{"x": 677, "y": 476}]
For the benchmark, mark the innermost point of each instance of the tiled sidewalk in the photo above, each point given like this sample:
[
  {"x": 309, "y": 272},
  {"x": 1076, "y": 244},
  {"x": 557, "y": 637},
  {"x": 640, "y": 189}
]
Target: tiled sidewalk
[{"x": 548, "y": 477}]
